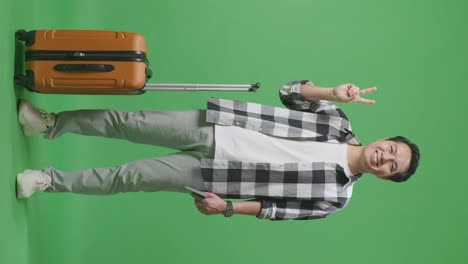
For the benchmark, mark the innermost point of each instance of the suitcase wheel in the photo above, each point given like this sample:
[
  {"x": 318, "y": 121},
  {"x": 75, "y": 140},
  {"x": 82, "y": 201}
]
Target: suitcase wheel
[
  {"x": 27, "y": 36},
  {"x": 25, "y": 80}
]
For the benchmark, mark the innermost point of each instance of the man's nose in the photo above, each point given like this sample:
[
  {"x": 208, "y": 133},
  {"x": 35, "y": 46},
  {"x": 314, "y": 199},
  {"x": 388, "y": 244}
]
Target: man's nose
[{"x": 388, "y": 156}]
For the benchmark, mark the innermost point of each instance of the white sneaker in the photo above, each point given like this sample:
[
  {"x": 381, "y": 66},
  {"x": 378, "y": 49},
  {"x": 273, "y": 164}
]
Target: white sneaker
[
  {"x": 33, "y": 119},
  {"x": 30, "y": 181}
]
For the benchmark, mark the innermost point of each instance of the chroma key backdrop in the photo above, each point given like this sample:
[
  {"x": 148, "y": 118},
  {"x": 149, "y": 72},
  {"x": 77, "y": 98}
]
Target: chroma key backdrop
[{"x": 415, "y": 52}]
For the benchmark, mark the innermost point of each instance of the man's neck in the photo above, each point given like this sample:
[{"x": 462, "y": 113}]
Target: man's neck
[{"x": 355, "y": 162}]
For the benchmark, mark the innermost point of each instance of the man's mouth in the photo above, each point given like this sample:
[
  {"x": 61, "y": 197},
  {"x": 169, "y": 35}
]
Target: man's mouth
[{"x": 375, "y": 159}]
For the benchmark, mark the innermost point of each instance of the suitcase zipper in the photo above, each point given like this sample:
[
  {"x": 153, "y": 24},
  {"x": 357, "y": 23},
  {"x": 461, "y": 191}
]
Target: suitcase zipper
[{"x": 137, "y": 56}]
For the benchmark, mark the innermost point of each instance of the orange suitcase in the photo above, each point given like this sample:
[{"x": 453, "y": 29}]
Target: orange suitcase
[
  {"x": 93, "y": 62},
  {"x": 84, "y": 62}
]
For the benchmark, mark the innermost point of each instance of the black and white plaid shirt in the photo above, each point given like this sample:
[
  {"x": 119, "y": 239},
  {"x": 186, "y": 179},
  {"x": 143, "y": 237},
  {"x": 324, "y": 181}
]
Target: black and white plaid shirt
[{"x": 303, "y": 190}]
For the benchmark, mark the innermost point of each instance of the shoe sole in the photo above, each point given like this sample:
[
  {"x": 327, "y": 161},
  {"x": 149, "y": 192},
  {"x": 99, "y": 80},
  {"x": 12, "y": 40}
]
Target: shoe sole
[
  {"x": 19, "y": 190},
  {"x": 22, "y": 118},
  {"x": 21, "y": 110}
]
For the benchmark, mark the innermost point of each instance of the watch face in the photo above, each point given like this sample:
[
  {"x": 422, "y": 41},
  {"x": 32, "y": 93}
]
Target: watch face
[{"x": 229, "y": 210}]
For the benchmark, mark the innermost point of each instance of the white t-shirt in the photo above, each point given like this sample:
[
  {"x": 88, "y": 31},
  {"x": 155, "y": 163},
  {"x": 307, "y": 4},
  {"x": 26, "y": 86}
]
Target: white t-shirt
[{"x": 236, "y": 143}]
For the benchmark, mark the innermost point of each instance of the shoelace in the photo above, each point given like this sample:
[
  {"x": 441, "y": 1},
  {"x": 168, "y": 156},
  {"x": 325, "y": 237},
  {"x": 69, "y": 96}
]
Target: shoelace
[
  {"x": 46, "y": 117},
  {"x": 44, "y": 182}
]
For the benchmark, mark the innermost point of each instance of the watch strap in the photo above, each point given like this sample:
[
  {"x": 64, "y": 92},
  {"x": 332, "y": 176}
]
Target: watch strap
[{"x": 229, "y": 209}]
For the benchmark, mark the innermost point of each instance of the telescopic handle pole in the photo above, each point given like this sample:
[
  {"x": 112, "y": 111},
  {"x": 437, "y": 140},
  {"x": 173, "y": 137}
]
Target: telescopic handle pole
[{"x": 200, "y": 87}]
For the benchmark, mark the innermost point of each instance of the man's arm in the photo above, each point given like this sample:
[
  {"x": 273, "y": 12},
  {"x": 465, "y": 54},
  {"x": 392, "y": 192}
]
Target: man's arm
[
  {"x": 344, "y": 93},
  {"x": 213, "y": 204},
  {"x": 305, "y": 96},
  {"x": 272, "y": 210}
]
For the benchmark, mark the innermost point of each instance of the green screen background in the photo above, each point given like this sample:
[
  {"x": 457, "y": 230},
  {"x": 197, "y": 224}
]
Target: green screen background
[{"x": 415, "y": 52}]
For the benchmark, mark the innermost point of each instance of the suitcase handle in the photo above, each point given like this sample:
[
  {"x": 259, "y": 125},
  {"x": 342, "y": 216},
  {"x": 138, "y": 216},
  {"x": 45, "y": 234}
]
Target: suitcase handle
[
  {"x": 201, "y": 87},
  {"x": 84, "y": 67}
]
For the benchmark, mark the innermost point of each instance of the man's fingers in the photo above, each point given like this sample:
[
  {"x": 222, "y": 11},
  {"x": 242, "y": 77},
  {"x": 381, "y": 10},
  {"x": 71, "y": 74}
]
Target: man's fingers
[
  {"x": 368, "y": 90},
  {"x": 210, "y": 195},
  {"x": 196, "y": 197},
  {"x": 364, "y": 100},
  {"x": 352, "y": 90}
]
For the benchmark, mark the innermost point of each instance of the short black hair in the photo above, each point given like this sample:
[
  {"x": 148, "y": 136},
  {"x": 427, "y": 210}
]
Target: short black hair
[{"x": 414, "y": 163}]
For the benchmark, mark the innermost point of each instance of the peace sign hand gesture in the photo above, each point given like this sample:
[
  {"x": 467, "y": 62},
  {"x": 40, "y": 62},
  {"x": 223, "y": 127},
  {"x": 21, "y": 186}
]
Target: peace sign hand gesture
[{"x": 347, "y": 93}]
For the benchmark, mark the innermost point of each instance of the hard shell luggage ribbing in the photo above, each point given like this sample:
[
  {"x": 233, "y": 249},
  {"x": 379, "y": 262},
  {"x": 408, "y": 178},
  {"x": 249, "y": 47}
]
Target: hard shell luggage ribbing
[
  {"x": 84, "y": 62},
  {"x": 94, "y": 62}
]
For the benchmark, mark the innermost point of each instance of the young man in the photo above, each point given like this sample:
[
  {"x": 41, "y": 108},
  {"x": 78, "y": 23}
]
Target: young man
[{"x": 296, "y": 163}]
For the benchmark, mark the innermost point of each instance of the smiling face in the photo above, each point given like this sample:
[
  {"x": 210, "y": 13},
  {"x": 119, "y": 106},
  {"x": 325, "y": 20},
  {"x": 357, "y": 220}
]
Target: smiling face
[{"x": 385, "y": 158}]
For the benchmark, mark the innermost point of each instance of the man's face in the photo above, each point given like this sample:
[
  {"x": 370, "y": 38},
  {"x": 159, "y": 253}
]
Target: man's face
[{"x": 384, "y": 158}]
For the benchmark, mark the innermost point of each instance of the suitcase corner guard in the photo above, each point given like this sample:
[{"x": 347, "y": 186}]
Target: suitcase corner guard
[{"x": 29, "y": 37}]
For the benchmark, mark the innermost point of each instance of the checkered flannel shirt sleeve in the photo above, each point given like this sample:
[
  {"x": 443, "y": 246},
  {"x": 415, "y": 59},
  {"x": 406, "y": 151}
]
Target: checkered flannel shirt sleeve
[
  {"x": 290, "y": 96},
  {"x": 295, "y": 209}
]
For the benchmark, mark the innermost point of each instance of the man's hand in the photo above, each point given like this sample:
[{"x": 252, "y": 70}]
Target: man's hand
[
  {"x": 210, "y": 205},
  {"x": 346, "y": 93}
]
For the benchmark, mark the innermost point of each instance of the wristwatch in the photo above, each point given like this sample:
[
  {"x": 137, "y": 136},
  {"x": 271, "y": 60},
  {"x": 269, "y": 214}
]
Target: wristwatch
[{"x": 229, "y": 209}]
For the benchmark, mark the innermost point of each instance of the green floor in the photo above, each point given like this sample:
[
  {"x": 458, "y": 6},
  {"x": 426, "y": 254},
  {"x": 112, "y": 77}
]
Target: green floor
[{"x": 415, "y": 52}]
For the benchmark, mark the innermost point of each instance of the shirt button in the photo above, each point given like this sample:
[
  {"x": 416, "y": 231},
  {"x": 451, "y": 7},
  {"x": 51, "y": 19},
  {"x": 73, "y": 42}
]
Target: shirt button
[
  {"x": 237, "y": 123},
  {"x": 260, "y": 129}
]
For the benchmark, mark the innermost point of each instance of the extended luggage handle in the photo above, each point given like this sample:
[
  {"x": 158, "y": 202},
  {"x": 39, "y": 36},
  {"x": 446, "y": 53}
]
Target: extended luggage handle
[
  {"x": 201, "y": 87},
  {"x": 194, "y": 86},
  {"x": 84, "y": 67}
]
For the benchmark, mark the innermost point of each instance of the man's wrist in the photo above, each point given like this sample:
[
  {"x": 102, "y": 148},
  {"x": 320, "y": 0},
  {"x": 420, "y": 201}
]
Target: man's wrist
[
  {"x": 223, "y": 207},
  {"x": 332, "y": 95},
  {"x": 229, "y": 211}
]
